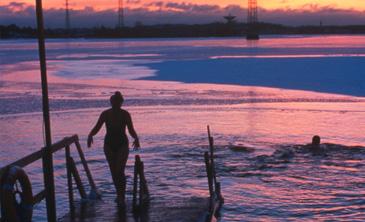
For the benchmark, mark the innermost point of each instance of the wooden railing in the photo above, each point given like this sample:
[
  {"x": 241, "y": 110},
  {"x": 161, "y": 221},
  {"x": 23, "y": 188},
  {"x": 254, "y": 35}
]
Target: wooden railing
[
  {"x": 140, "y": 188},
  {"x": 215, "y": 196},
  {"x": 71, "y": 169}
]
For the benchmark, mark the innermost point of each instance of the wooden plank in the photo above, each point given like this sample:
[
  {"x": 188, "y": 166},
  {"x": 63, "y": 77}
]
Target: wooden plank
[
  {"x": 67, "y": 141},
  {"x": 86, "y": 167},
  {"x": 39, "y": 197},
  {"x": 77, "y": 178},
  {"x": 23, "y": 162}
]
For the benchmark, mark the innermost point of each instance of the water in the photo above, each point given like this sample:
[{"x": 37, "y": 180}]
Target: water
[{"x": 174, "y": 89}]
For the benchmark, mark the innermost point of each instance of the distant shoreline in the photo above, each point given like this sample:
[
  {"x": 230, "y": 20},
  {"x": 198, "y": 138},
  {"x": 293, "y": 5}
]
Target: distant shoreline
[{"x": 180, "y": 31}]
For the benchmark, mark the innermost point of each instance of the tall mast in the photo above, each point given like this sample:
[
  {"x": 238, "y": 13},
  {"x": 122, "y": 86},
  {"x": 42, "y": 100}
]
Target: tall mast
[{"x": 47, "y": 155}]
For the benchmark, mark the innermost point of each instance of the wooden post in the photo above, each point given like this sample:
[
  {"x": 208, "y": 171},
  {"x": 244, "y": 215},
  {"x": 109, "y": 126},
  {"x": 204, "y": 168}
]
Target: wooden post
[
  {"x": 135, "y": 181},
  {"x": 77, "y": 178},
  {"x": 141, "y": 190},
  {"x": 86, "y": 167},
  {"x": 211, "y": 148},
  {"x": 143, "y": 182},
  {"x": 47, "y": 159},
  {"x": 69, "y": 181},
  {"x": 208, "y": 167}
]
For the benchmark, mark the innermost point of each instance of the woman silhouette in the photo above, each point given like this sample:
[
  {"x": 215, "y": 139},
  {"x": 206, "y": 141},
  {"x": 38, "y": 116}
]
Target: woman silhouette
[{"x": 116, "y": 145}]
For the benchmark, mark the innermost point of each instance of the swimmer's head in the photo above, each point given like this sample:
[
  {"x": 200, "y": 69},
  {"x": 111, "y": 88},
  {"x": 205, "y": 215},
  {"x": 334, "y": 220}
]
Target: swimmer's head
[
  {"x": 316, "y": 140},
  {"x": 116, "y": 100}
]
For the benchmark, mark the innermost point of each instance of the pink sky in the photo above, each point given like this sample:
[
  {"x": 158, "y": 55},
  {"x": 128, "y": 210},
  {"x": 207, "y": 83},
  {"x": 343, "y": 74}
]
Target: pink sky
[{"x": 268, "y": 4}]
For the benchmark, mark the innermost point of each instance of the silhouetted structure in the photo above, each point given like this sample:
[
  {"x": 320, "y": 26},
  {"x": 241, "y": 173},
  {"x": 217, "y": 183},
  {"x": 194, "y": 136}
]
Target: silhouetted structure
[
  {"x": 252, "y": 19},
  {"x": 230, "y": 19},
  {"x": 67, "y": 18},
  {"x": 120, "y": 14}
]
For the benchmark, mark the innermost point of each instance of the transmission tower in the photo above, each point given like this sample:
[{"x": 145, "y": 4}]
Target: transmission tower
[
  {"x": 120, "y": 14},
  {"x": 67, "y": 21},
  {"x": 252, "y": 20},
  {"x": 252, "y": 17}
]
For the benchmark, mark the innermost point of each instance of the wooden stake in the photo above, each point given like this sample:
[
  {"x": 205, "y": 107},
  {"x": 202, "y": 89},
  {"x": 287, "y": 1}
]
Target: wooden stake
[
  {"x": 209, "y": 175},
  {"x": 47, "y": 159},
  {"x": 69, "y": 181}
]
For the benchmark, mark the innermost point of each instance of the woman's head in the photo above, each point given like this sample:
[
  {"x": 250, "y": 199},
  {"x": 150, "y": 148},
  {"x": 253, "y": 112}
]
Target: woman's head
[{"x": 116, "y": 100}]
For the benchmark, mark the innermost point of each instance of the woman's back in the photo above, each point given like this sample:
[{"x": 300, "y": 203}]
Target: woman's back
[{"x": 116, "y": 121}]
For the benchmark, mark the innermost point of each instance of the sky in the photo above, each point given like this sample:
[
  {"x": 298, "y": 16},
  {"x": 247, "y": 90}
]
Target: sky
[
  {"x": 268, "y": 4},
  {"x": 101, "y": 12}
]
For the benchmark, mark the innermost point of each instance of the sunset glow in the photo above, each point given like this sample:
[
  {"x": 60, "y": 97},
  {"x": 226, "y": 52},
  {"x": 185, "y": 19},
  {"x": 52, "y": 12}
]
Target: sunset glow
[{"x": 271, "y": 4}]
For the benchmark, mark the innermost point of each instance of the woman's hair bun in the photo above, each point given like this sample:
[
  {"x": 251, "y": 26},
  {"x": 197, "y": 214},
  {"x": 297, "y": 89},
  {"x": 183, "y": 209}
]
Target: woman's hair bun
[
  {"x": 118, "y": 93},
  {"x": 116, "y": 98}
]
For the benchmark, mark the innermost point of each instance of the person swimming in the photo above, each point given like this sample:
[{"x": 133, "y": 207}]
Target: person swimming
[
  {"x": 116, "y": 144},
  {"x": 315, "y": 146}
]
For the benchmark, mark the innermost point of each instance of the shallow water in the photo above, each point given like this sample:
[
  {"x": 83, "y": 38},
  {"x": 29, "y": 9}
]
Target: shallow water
[{"x": 171, "y": 119}]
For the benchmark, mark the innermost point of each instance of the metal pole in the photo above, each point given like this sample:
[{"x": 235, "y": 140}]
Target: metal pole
[{"x": 47, "y": 156}]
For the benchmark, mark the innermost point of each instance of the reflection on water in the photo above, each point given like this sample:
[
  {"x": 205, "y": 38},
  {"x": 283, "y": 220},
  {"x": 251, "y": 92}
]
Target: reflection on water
[
  {"x": 171, "y": 119},
  {"x": 303, "y": 186}
]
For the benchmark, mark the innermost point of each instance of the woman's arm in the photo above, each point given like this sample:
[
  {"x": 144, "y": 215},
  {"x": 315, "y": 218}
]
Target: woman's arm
[
  {"x": 96, "y": 129},
  {"x": 132, "y": 132}
]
